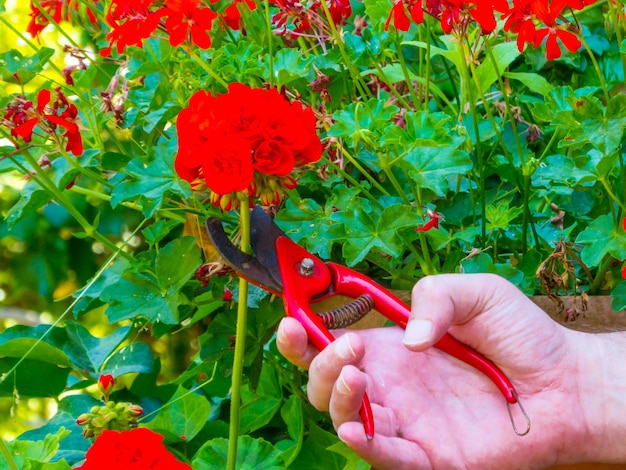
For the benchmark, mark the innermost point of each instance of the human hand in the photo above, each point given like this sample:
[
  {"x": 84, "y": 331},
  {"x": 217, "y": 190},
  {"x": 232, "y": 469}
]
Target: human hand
[{"x": 432, "y": 411}]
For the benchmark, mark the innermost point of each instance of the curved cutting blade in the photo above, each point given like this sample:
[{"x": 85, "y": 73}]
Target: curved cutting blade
[{"x": 249, "y": 267}]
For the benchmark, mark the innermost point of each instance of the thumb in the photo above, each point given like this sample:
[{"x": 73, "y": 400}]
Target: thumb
[{"x": 439, "y": 301}]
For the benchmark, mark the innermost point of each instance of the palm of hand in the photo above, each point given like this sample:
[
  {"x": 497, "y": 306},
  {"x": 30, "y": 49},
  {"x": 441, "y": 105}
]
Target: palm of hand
[{"x": 437, "y": 410}]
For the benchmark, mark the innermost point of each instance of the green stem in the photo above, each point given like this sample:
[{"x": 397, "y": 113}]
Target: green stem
[
  {"x": 596, "y": 66},
  {"x": 7, "y": 455},
  {"x": 205, "y": 67},
  {"x": 130, "y": 205},
  {"x": 270, "y": 44},
  {"x": 240, "y": 339},
  {"x": 405, "y": 71},
  {"x": 611, "y": 194},
  {"x": 42, "y": 179},
  {"x": 354, "y": 73},
  {"x": 598, "y": 280},
  {"x": 354, "y": 182}
]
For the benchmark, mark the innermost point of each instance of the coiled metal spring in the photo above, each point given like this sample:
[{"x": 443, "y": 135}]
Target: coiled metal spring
[{"x": 348, "y": 314}]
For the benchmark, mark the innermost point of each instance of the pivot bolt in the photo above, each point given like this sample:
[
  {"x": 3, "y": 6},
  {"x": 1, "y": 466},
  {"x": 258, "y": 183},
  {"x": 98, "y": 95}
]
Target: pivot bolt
[{"x": 307, "y": 267}]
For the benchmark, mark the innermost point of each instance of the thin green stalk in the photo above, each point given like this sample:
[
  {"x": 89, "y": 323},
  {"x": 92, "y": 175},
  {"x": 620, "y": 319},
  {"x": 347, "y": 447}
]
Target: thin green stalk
[
  {"x": 598, "y": 280},
  {"x": 240, "y": 339},
  {"x": 270, "y": 42},
  {"x": 622, "y": 171},
  {"x": 596, "y": 66},
  {"x": 611, "y": 194},
  {"x": 618, "y": 31},
  {"x": 354, "y": 183},
  {"x": 205, "y": 67},
  {"x": 427, "y": 75},
  {"x": 42, "y": 179},
  {"x": 405, "y": 71},
  {"x": 7, "y": 455},
  {"x": 130, "y": 205},
  {"x": 356, "y": 76},
  {"x": 393, "y": 90}
]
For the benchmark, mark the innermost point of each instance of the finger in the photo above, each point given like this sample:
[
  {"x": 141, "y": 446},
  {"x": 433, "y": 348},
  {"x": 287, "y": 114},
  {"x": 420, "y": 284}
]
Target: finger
[
  {"x": 327, "y": 365},
  {"x": 293, "y": 343},
  {"x": 347, "y": 395},
  {"x": 383, "y": 451},
  {"x": 445, "y": 299}
]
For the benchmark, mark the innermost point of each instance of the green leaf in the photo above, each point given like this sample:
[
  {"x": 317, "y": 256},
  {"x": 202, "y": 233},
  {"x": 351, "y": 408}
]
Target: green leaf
[
  {"x": 176, "y": 262},
  {"x": 293, "y": 416},
  {"x": 41, "y": 451},
  {"x": 136, "y": 357},
  {"x": 26, "y": 68},
  {"x": 252, "y": 454},
  {"x": 259, "y": 406},
  {"x": 488, "y": 73},
  {"x": 431, "y": 167},
  {"x": 150, "y": 184},
  {"x": 366, "y": 230},
  {"x": 353, "y": 461},
  {"x": 31, "y": 378},
  {"x": 600, "y": 238},
  {"x": 314, "y": 454},
  {"x": 156, "y": 299},
  {"x": 73, "y": 447},
  {"x": 500, "y": 216},
  {"x": 290, "y": 65},
  {"x": 307, "y": 223},
  {"x": 618, "y": 293},
  {"x": 32, "y": 198},
  {"x": 535, "y": 82},
  {"x": 362, "y": 122},
  {"x": 483, "y": 263},
  {"x": 89, "y": 353},
  {"x": 182, "y": 417}
]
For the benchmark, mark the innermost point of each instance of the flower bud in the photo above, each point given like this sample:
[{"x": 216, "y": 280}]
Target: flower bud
[
  {"x": 83, "y": 419},
  {"x": 106, "y": 383},
  {"x": 135, "y": 410}
]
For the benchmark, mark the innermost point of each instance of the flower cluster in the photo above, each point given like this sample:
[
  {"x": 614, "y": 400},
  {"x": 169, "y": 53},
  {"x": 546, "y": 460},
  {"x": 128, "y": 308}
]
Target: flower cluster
[
  {"x": 531, "y": 20},
  {"x": 111, "y": 416},
  {"x": 138, "y": 448},
  {"x": 186, "y": 21},
  {"x": 248, "y": 139},
  {"x": 22, "y": 116},
  {"x": 58, "y": 10},
  {"x": 296, "y": 18}
]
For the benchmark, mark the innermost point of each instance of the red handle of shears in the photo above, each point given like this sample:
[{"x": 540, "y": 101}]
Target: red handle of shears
[
  {"x": 300, "y": 288},
  {"x": 353, "y": 284}
]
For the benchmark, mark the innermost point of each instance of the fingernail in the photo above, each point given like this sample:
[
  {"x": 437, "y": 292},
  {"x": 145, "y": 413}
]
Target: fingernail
[
  {"x": 417, "y": 332},
  {"x": 280, "y": 333},
  {"x": 344, "y": 348},
  {"x": 342, "y": 385}
]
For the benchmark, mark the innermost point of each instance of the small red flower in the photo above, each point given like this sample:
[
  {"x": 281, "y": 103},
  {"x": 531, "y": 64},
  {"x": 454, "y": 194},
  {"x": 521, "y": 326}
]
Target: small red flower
[
  {"x": 138, "y": 448},
  {"x": 188, "y": 22},
  {"x": 22, "y": 117},
  {"x": 432, "y": 223},
  {"x": 228, "y": 295},
  {"x": 131, "y": 21},
  {"x": 232, "y": 14},
  {"x": 548, "y": 14},
  {"x": 106, "y": 382},
  {"x": 401, "y": 20}
]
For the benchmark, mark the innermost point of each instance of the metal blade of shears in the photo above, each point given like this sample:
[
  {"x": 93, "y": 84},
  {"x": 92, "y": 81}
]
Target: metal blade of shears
[{"x": 261, "y": 271}]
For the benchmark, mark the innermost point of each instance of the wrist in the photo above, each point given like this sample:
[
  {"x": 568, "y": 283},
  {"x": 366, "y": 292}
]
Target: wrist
[{"x": 602, "y": 396}]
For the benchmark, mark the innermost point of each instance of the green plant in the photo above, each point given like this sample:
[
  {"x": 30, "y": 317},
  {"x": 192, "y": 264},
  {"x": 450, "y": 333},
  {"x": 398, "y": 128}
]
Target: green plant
[{"x": 444, "y": 146}]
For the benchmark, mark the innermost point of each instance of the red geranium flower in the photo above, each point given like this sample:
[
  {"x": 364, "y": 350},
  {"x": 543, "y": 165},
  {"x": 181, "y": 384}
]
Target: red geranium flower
[
  {"x": 432, "y": 223},
  {"x": 232, "y": 15},
  {"x": 245, "y": 140},
  {"x": 188, "y": 21},
  {"x": 398, "y": 13},
  {"x": 58, "y": 10},
  {"x": 138, "y": 448},
  {"x": 131, "y": 21},
  {"x": 22, "y": 117},
  {"x": 548, "y": 14}
]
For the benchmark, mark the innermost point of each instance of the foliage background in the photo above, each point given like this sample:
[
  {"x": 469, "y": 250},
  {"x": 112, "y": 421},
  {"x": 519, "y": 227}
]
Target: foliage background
[{"x": 392, "y": 160}]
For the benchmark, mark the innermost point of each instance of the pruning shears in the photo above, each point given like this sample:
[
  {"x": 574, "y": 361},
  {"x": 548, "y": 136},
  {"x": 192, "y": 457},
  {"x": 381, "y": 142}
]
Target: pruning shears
[{"x": 286, "y": 269}]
